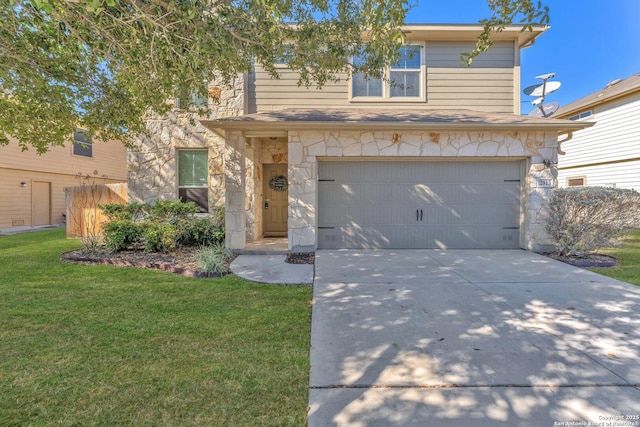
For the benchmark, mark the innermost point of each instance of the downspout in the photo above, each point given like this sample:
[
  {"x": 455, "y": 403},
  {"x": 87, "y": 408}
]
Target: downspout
[{"x": 569, "y": 136}]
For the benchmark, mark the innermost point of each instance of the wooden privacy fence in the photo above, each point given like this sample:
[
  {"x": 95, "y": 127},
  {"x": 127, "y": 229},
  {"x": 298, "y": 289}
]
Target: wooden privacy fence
[{"x": 84, "y": 217}]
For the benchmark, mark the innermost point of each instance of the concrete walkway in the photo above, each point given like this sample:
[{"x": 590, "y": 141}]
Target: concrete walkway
[
  {"x": 27, "y": 229},
  {"x": 272, "y": 269},
  {"x": 470, "y": 338}
]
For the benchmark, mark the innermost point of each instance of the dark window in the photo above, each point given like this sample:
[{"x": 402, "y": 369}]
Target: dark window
[
  {"x": 191, "y": 100},
  {"x": 576, "y": 182},
  {"x": 193, "y": 177},
  {"x": 82, "y": 145},
  {"x": 581, "y": 116}
]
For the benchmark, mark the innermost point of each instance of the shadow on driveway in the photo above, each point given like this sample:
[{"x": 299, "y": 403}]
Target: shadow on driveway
[{"x": 429, "y": 337}]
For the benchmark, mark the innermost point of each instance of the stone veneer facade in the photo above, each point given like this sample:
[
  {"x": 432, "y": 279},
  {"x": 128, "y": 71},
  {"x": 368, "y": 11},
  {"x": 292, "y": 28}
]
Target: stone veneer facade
[
  {"x": 152, "y": 167},
  {"x": 305, "y": 148}
]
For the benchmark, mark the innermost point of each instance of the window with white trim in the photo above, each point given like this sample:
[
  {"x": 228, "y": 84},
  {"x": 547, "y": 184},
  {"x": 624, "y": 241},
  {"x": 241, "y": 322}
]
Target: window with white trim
[
  {"x": 403, "y": 80},
  {"x": 193, "y": 177}
]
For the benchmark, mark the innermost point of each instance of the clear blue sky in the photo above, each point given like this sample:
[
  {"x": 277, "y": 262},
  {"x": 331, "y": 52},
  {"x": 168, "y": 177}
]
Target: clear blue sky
[{"x": 590, "y": 42}]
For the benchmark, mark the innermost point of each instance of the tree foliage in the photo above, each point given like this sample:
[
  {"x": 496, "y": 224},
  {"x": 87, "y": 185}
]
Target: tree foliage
[{"x": 102, "y": 64}]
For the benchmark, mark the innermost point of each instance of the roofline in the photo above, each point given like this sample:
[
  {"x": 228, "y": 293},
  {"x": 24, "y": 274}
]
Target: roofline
[
  {"x": 596, "y": 103},
  {"x": 220, "y": 126},
  {"x": 471, "y": 31}
]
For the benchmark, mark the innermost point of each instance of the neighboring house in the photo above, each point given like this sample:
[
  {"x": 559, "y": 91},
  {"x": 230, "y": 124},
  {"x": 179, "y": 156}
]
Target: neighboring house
[
  {"x": 444, "y": 160},
  {"x": 32, "y": 186},
  {"x": 608, "y": 154}
]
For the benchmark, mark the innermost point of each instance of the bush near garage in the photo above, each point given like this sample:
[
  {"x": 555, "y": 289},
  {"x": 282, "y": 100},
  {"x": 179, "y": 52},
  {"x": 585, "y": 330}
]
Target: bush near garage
[
  {"x": 584, "y": 220},
  {"x": 161, "y": 226}
]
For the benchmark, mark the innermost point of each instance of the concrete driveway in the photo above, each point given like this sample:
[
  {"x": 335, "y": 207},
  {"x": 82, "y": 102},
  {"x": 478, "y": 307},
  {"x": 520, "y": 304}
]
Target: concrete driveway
[{"x": 470, "y": 338}]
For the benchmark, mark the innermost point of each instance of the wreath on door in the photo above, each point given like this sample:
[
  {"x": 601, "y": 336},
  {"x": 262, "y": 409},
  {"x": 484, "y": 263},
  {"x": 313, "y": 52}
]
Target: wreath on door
[{"x": 279, "y": 183}]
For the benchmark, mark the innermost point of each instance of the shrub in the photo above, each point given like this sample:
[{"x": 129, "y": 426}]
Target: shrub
[
  {"x": 163, "y": 226},
  {"x": 586, "y": 219},
  {"x": 172, "y": 212},
  {"x": 201, "y": 232},
  {"x": 119, "y": 212},
  {"x": 120, "y": 234},
  {"x": 217, "y": 216},
  {"x": 213, "y": 259},
  {"x": 159, "y": 237}
]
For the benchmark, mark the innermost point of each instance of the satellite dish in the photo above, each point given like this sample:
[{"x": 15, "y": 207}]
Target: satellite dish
[
  {"x": 543, "y": 89},
  {"x": 546, "y": 76},
  {"x": 544, "y": 110}
]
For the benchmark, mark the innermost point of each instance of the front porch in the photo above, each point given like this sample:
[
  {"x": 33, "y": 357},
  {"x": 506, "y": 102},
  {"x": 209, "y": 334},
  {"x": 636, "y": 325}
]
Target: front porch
[
  {"x": 265, "y": 246},
  {"x": 257, "y": 193}
]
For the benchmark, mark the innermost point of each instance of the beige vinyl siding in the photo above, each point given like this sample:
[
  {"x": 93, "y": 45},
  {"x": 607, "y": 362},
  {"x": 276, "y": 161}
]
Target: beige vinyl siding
[
  {"x": 58, "y": 167},
  {"x": 109, "y": 158},
  {"x": 488, "y": 85},
  {"x": 608, "y": 152},
  {"x": 267, "y": 94},
  {"x": 16, "y": 201}
]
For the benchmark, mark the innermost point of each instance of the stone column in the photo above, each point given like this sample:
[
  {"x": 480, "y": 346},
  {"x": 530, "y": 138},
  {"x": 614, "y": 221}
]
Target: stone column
[
  {"x": 234, "y": 179},
  {"x": 541, "y": 179},
  {"x": 250, "y": 178},
  {"x": 302, "y": 197}
]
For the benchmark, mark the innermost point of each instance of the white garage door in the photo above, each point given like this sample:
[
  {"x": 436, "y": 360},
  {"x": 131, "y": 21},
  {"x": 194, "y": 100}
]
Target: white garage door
[{"x": 455, "y": 205}]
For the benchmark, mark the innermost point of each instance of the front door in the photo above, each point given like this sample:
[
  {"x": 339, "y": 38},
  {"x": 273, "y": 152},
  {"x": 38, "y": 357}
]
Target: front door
[
  {"x": 276, "y": 203},
  {"x": 41, "y": 198}
]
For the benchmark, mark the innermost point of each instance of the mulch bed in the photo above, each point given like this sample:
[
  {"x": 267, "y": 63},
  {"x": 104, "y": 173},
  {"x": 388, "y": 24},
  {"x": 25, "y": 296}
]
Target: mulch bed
[
  {"x": 591, "y": 260},
  {"x": 181, "y": 261},
  {"x": 301, "y": 258}
]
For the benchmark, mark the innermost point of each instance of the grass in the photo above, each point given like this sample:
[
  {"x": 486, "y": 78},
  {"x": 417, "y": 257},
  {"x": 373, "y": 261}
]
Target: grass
[
  {"x": 629, "y": 256},
  {"x": 102, "y": 345}
]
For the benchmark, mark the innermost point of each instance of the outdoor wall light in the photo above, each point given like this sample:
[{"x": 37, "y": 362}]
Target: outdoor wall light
[{"x": 23, "y": 184}]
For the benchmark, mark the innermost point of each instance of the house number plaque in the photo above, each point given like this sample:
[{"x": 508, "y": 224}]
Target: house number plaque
[{"x": 279, "y": 183}]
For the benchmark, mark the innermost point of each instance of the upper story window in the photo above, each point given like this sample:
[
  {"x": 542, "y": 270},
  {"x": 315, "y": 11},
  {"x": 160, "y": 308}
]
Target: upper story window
[
  {"x": 191, "y": 100},
  {"x": 82, "y": 145},
  {"x": 403, "y": 80},
  {"x": 582, "y": 115},
  {"x": 193, "y": 177}
]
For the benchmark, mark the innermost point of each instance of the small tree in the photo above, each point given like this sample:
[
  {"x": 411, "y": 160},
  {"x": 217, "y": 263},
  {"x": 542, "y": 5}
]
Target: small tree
[{"x": 584, "y": 220}]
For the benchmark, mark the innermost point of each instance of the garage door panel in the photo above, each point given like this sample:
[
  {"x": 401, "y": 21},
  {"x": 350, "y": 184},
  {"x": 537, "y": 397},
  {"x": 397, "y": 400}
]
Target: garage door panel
[
  {"x": 386, "y": 237},
  {"x": 419, "y": 204}
]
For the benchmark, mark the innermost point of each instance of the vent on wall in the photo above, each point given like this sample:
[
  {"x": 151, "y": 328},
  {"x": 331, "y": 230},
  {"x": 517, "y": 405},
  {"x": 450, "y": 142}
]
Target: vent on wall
[{"x": 17, "y": 222}]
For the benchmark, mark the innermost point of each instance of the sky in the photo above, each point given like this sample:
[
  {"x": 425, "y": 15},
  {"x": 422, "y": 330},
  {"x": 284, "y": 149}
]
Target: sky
[{"x": 590, "y": 42}]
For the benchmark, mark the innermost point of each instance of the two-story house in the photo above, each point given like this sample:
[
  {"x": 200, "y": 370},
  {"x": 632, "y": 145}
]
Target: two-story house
[
  {"x": 32, "y": 186},
  {"x": 608, "y": 154},
  {"x": 441, "y": 158}
]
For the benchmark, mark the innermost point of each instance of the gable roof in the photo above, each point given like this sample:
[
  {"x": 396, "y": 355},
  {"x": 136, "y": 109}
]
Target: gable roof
[
  {"x": 470, "y": 32},
  {"x": 282, "y": 121},
  {"x": 614, "y": 90}
]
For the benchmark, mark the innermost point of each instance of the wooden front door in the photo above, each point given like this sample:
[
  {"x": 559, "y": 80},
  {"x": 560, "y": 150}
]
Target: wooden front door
[
  {"x": 41, "y": 203},
  {"x": 276, "y": 200}
]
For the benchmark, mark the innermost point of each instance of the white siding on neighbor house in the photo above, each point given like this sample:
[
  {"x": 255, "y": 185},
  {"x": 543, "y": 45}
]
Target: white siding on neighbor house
[
  {"x": 609, "y": 152},
  {"x": 619, "y": 175},
  {"x": 488, "y": 85}
]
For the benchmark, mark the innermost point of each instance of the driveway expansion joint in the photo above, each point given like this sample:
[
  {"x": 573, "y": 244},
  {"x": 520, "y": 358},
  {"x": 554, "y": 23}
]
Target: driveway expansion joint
[{"x": 449, "y": 386}]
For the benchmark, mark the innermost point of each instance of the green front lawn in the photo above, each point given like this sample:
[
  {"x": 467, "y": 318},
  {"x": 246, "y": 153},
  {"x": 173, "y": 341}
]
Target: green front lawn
[
  {"x": 629, "y": 256},
  {"x": 101, "y": 345}
]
